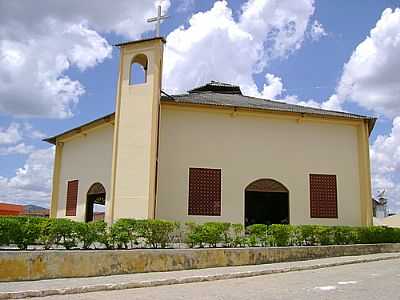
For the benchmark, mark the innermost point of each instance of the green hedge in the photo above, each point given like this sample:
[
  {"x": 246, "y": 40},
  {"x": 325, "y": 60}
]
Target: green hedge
[{"x": 22, "y": 232}]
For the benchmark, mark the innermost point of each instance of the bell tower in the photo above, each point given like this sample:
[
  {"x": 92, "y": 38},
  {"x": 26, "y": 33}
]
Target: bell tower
[{"x": 135, "y": 145}]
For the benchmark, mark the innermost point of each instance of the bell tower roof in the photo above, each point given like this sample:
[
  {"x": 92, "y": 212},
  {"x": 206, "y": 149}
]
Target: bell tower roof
[{"x": 140, "y": 41}]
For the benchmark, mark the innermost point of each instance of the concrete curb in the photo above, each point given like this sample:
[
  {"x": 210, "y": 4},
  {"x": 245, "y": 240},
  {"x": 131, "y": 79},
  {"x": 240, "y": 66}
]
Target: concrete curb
[{"x": 182, "y": 280}]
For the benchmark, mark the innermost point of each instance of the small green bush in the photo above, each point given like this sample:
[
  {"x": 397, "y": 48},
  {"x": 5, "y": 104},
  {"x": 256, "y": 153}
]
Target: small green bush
[
  {"x": 258, "y": 235},
  {"x": 125, "y": 233},
  {"x": 280, "y": 235},
  {"x": 7, "y": 230},
  {"x": 210, "y": 233},
  {"x": 90, "y": 233},
  {"x": 343, "y": 235},
  {"x": 377, "y": 234},
  {"x": 157, "y": 233},
  {"x": 191, "y": 235},
  {"x": 66, "y": 232},
  {"x": 214, "y": 233},
  {"x": 306, "y": 235},
  {"x": 238, "y": 237}
]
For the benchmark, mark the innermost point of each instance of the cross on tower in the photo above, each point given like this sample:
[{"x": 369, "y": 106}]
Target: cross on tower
[{"x": 158, "y": 20}]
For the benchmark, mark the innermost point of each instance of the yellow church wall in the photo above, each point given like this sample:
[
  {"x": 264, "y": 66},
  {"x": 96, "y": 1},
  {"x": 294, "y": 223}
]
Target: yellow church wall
[
  {"x": 86, "y": 157},
  {"x": 248, "y": 146}
]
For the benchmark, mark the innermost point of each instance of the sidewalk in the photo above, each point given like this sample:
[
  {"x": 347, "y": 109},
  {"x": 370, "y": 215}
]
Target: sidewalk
[{"x": 40, "y": 288}]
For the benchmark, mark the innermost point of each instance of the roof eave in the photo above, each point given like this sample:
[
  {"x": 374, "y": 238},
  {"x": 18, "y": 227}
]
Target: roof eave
[
  {"x": 79, "y": 129},
  {"x": 371, "y": 124}
]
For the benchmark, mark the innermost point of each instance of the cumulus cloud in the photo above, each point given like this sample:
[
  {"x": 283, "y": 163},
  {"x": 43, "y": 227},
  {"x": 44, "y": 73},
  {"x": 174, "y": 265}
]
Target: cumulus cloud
[
  {"x": 14, "y": 137},
  {"x": 10, "y": 135},
  {"x": 16, "y": 149},
  {"x": 385, "y": 159},
  {"x": 273, "y": 89},
  {"x": 16, "y": 132},
  {"x": 317, "y": 31},
  {"x": 41, "y": 41},
  {"x": 217, "y": 46},
  {"x": 371, "y": 76},
  {"x": 32, "y": 182}
]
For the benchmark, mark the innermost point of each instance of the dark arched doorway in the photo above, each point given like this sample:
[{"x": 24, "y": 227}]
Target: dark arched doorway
[
  {"x": 95, "y": 202},
  {"x": 266, "y": 202}
]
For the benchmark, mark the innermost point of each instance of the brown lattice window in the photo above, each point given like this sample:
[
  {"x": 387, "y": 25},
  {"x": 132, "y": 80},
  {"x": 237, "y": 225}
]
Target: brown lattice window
[
  {"x": 323, "y": 196},
  {"x": 204, "y": 192},
  {"x": 72, "y": 197}
]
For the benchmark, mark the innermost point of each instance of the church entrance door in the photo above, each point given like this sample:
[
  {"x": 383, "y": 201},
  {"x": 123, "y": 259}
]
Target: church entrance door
[
  {"x": 95, "y": 202},
  {"x": 266, "y": 202}
]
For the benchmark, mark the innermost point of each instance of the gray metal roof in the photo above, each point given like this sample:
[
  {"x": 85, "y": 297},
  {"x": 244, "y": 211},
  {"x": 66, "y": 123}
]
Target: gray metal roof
[{"x": 220, "y": 94}]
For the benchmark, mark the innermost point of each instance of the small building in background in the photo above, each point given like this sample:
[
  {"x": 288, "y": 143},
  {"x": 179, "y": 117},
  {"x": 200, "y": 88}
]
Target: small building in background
[
  {"x": 379, "y": 204},
  {"x": 7, "y": 209},
  {"x": 36, "y": 211}
]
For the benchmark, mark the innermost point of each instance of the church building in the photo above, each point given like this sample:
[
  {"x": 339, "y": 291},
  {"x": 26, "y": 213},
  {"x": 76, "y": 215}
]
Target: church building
[{"x": 211, "y": 154}]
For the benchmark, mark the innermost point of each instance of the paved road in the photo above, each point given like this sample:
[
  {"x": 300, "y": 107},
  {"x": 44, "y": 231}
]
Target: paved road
[{"x": 375, "y": 280}]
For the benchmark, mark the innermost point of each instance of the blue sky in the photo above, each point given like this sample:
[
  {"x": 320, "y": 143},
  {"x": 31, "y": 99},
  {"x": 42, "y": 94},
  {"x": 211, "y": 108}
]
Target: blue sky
[{"x": 303, "y": 46}]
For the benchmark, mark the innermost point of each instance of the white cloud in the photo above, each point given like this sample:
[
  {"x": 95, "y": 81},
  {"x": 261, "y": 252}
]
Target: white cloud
[
  {"x": 41, "y": 40},
  {"x": 317, "y": 31},
  {"x": 20, "y": 148},
  {"x": 385, "y": 160},
  {"x": 274, "y": 90},
  {"x": 371, "y": 76},
  {"x": 10, "y": 135},
  {"x": 16, "y": 132},
  {"x": 32, "y": 182},
  {"x": 217, "y": 46},
  {"x": 185, "y": 5}
]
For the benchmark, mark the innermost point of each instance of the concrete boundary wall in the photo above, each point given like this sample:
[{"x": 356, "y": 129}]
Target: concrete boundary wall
[{"x": 34, "y": 265}]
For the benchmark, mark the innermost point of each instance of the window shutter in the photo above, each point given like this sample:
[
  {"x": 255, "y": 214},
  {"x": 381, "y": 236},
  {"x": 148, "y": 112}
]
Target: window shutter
[
  {"x": 204, "y": 192},
  {"x": 323, "y": 196},
  {"x": 72, "y": 197}
]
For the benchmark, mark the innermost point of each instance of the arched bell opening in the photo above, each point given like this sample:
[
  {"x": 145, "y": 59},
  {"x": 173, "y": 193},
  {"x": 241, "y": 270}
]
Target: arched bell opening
[{"x": 138, "y": 70}]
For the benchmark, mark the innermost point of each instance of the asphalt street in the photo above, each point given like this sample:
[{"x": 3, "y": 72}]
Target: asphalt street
[{"x": 373, "y": 280}]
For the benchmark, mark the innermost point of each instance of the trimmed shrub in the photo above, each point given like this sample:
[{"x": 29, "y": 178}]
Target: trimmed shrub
[
  {"x": 192, "y": 235},
  {"x": 258, "y": 235},
  {"x": 90, "y": 233},
  {"x": 377, "y": 234},
  {"x": 7, "y": 230},
  {"x": 28, "y": 232},
  {"x": 226, "y": 234},
  {"x": 324, "y": 235},
  {"x": 210, "y": 233},
  {"x": 306, "y": 235},
  {"x": 280, "y": 235},
  {"x": 343, "y": 235},
  {"x": 47, "y": 236},
  {"x": 157, "y": 233},
  {"x": 213, "y": 233},
  {"x": 66, "y": 232},
  {"x": 104, "y": 234},
  {"x": 238, "y": 238}
]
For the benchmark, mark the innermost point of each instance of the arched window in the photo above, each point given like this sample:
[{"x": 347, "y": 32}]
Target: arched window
[{"x": 138, "y": 71}]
